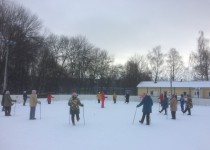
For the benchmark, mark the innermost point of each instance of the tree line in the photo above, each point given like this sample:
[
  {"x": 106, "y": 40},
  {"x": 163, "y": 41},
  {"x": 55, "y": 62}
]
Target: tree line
[{"x": 58, "y": 63}]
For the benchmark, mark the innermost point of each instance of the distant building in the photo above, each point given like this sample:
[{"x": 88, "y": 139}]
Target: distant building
[{"x": 198, "y": 89}]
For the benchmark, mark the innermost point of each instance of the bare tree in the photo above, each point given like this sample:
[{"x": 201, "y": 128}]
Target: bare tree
[
  {"x": 156, "y": 60},
  {"x": 201, "y": 59},
  {"x": 136, "y": 70},
  {"x": 174, "y": 64}
]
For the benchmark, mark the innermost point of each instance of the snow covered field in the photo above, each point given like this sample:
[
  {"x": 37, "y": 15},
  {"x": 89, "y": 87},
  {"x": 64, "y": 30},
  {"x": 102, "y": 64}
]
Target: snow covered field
[{"x": 110, "y": 128}]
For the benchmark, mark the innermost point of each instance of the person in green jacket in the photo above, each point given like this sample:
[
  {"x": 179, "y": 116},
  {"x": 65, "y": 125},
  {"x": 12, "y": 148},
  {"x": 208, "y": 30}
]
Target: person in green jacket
[
  {"x": 8, "y": 103},
  {"x": 74, "y": 104}
]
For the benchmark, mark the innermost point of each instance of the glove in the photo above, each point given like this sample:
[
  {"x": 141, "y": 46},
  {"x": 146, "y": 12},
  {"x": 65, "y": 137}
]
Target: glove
[{"x": 137, "y": 106}]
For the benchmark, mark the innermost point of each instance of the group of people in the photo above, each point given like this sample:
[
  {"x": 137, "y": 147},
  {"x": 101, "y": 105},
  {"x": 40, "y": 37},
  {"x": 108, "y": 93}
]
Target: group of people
[
  {"x": 101, "y": 97},
  {"x": 7, "y": 103},
  {"x": 74, "y": 103},
  {"x": 164, "y": 102}
]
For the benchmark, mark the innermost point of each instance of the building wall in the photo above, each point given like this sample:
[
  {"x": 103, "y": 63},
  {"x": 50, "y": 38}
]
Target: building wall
[{"x": 196, "y": 93}]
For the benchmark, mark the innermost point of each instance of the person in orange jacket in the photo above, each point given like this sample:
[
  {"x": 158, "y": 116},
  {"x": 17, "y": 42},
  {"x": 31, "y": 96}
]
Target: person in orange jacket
[
  {"x": 49, "y": 98},
  {"x": 102, "y": 99},
  {"x": 98, "y": 97}
]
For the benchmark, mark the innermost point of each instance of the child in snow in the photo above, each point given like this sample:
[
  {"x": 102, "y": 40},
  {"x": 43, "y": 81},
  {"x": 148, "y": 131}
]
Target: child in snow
[{"x": 74, "y": 104}]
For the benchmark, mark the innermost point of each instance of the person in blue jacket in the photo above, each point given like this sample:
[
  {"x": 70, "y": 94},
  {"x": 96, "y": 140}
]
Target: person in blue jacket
[
  {"x": 182, "y": 101},
  {"x": 147, "y": 108},
  {"x": 164, "y": 104}
]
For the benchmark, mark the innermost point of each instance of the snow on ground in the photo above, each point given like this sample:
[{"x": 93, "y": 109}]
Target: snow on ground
[{"x": 110, "y": 128}]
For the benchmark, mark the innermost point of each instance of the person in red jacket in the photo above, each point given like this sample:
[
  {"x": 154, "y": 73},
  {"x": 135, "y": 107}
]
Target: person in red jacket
[
  {"x": 102, "y": 99},
  {"x": 49, "y": 98}
]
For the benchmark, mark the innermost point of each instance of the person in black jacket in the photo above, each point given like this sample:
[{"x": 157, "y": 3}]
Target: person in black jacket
[
  {"x": 147, "y": 109},
  {"x": 127, "y": 98},
  {"x": 164, "y": 104},
  {"x": 24, "y": 98},
  {"x": 2, "y": 100}
]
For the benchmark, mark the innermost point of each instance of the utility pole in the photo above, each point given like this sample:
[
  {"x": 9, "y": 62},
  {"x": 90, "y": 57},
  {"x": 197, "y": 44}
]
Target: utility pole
[{"x": 8, "y": 43}]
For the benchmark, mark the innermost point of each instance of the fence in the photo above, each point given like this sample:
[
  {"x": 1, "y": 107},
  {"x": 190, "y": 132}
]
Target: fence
[{"x": 196, "y": 101}]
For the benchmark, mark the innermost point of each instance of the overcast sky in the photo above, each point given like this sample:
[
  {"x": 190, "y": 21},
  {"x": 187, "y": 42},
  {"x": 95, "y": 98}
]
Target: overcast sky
[{"x": 127, "y": 27}]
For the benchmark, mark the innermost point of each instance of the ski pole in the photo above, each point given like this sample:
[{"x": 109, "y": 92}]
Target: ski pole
[
  {"x": 40, "y": 112},
  {"x": 69, "y": 115},
  {"x": 84, "y": 115},
  {"x": 134, "y": 116},
  {"x": 14, "y": 108}
]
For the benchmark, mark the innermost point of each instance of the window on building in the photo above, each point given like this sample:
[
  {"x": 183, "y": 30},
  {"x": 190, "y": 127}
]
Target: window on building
[{"x": 151, "y": 92}]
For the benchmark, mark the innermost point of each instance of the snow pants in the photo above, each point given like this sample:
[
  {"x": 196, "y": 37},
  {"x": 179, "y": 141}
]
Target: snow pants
[
  {"x": 187, "y": 109},
  {"x": 102, "y": 103},
  {"x": 147, "y": 118},
  {"x": 173, "y": 114},
  {"x": 7, "y": 110},
  {"x": 73, "y": 114},
  {"x": 24, "y": 102},
  {"x": 164, "y": 109},
  {"x": 32, "y": 112}
]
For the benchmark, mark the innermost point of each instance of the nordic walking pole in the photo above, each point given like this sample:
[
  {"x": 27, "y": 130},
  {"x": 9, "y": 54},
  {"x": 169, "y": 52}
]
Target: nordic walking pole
[
  {"x": 69, "y": 115},
  {"x": 83, "y": 114},
  {"x": 14, "y": 108},
  {"x": 15, "y": 105},
  {"x": 134, "y": 115},
  {"x": 40, "y": 111}
]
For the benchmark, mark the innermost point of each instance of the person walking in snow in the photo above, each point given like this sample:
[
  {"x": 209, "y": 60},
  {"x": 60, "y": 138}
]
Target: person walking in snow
[
  {"x": 49, "y": 98},
  {"x": 24, "y": 98},
  {"x": 173, "y": 106},
  {"x": 147, "y": 109},
  {"x": 74, "y": 104},
  {"x": 182, "y": 101},
  {"x": 33, "y": 103},
  {"x": 164, "y": 104},
  {"x": 189, "y": 105},
  {"x": 114, "y": 96},
  {"x": 98, "y": 97},
  {"x": 2, "y": 100},
  {"x": 127, "y": 95},
  {"x": 8, "y": 103},
  {"x": 102, "y": 99}
]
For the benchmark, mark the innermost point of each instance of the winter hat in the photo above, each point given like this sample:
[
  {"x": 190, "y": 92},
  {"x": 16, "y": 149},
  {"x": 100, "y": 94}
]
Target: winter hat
[
  {"x": 33, "y": 91},
  {"x": 7, "y": 92},
  {"x": 74, "y": 94}
]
